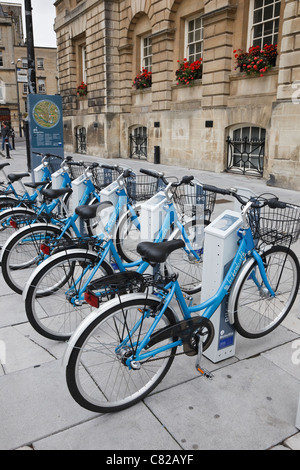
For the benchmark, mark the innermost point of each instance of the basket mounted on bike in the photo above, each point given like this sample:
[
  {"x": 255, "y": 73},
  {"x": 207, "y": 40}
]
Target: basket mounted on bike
[
  {"x": 141, "y": 187},
  {"x": 190, "y": 199},
  {"x": 274, "y": 222}
]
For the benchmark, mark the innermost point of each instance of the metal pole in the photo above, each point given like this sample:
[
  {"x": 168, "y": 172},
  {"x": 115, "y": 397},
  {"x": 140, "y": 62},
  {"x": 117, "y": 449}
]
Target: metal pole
[
  {"x": 30, "y": 48},
  {"x": 18, "y": 98},
  {"x": 31, "y": 69}
]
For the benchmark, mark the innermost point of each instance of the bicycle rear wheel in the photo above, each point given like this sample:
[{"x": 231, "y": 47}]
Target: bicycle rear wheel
[
  {"x": 97, "y": 375},
  {"x": 256, "y": 313},
  {"x": 12, "y": 220},
  {"x": 52, "y": 302},
  {"x": 22, "y": 253}
]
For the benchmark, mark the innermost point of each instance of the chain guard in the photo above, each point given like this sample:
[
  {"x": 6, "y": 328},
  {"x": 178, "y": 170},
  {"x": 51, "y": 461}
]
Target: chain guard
[{"x": 187, "y": 331}]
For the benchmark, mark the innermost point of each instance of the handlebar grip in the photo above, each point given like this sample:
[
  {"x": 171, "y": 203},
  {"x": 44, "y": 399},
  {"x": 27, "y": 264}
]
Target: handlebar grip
[
  {"x": 109, "y": 167},
  {"x": 53, "y": 155},
  {"x": 187, "y": 179},
  {"x": 276, "y": 204},
  {"x": 155, "y": 174},
  {"x": 214, "y": 189}
]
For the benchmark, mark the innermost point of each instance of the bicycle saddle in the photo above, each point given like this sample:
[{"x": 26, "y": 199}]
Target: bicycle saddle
[
  {"x": 90, "y": 212},
  {"x": 34, "y": 185},
  {"x": 56, "y": 193},
  {"x": 3, "y": 165},
  {"x": 158, "y": 252},
  {"x": 13, "y": 177}
]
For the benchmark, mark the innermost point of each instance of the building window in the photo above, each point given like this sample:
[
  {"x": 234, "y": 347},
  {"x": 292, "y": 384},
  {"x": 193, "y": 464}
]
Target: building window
[
  {"x": 1, "y": 59},
  {"x": 41, "y": 86},
  {"x": 25, "y": 88},
  {"x": 146, "y": 53},
  {"x": 40, "y": 64},
  {"x": 24, "y": 63},
  {"x": 83, "y": 64},
  {"x": 194, "y": 39},
  {"x": 246, "y": 150},
  {"x": 265, "y": 26},
  {"x": 138, "y": 143}
]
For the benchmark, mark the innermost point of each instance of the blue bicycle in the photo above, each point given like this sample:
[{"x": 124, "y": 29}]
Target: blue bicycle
[
  {"x": 54, "y": 296},
  {"x": 25, "y": 245},
  {"x": 11, "y": 197},
  {"x": 123, "y": 350}
]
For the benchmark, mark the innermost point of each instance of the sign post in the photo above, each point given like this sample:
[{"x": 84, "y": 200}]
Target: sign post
[{"x": 45, "y": 126}]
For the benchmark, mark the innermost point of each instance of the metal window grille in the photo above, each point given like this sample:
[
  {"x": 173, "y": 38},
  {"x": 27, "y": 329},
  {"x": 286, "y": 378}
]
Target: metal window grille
[
  {"x": 139, "y": 143},
  {"x": 246, "y": 151}
]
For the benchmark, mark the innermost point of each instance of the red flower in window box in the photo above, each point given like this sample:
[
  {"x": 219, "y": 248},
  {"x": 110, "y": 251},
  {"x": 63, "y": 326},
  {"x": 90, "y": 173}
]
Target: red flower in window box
[
  {"x": 256, "y": 61},
  {"x": 188, "y": 72},
  {"x": 143, "y": 80},
  {"x": 82, "y": 89}
]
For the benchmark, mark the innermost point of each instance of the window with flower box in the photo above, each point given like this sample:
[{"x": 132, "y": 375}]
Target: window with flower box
[
  {"x": 265, "y": 16},
  {"x": 194, "y": 39},
  {"x": 146, "y": 53}
]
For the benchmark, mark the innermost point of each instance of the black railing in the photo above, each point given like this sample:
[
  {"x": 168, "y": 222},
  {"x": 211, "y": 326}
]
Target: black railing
[
  {"x": 80, "y": 135},
  {"x": 138, "y": 146},
  {"x": 246, "y": 156}
]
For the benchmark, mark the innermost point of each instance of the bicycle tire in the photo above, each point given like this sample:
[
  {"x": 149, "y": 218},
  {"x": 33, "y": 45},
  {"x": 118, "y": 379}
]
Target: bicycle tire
[
  {"x": 128, "y": 237},
  {"x": 9, "y": 202},
  {"x": 188, "y": 268},
  {"x": 21, "y": 253},
  {"x": 21, "y": 216},
  {"x": 143, "y": 380},
  {"x": 256, "y": 313},
  {"x": 48, "y": 295}
]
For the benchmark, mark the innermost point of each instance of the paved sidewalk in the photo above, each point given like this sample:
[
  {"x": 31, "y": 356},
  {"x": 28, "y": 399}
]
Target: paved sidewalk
[{"x": 250, "y": 404}]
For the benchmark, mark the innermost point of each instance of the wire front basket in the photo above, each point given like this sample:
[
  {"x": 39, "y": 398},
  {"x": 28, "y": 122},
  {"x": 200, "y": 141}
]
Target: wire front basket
[
  {"x": 103, "y": 177},
  {"x": 193, "y": 201},
  {"x": 275, "y": 226},
  {"x": 54, "y": 164},
  {"x": 141, "y": 187}
]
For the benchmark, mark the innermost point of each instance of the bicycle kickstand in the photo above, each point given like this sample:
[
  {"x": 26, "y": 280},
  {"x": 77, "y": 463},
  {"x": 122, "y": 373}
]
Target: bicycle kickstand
[{"x": 205, "y": 373}]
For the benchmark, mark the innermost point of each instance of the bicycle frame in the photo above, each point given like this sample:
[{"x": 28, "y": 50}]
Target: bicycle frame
[
  {"x": 26, "y": 196},
  {"x": 246, "y": 246},
  {"x": 109, "y": 247}
]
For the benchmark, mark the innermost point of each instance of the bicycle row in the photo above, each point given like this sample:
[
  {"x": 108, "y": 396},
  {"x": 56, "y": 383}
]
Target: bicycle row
[{"x": 111, "y": 294}]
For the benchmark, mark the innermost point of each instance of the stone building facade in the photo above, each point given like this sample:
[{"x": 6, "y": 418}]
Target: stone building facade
[
  {"x": 225, "y": 121},
  {"x": 13, "y": 67}
]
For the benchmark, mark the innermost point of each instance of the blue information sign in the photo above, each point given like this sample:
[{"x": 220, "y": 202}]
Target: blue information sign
[{"x": 45, "y": 126}]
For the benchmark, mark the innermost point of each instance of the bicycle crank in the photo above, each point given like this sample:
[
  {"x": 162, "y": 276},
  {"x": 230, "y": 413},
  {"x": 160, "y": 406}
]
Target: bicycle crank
[{"x": 188, "y": 330}]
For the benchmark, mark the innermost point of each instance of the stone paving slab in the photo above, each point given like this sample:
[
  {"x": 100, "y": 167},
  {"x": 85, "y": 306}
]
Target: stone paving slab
[{"x": 248, "y": 405}]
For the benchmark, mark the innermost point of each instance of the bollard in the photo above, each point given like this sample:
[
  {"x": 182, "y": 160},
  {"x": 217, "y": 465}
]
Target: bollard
[
  {"x": 298, "y": 416},
  {"x": 156, "y": 155},
  {"x": 7, "y": 149}
]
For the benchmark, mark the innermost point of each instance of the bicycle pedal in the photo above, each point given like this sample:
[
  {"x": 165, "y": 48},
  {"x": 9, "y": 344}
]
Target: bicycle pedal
[{"x": 205, "y": 373}]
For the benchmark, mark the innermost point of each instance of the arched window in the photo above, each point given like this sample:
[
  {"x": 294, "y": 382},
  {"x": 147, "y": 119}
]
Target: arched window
[
  {"x": 246, "y": 150},
  {"x": 138, "y": 142}
]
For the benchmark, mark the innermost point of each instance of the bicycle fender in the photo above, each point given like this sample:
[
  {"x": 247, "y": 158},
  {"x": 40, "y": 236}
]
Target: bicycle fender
[
  {"x": 96, "y": 314},
  {"x": 20, "y": 231},
  {"x": 235, "y": 289},
  {"x": 48, "y": 261}
]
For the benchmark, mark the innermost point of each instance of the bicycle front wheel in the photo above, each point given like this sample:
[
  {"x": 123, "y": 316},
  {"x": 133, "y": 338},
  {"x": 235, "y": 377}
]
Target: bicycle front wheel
[
  {"x": 256, "y": 313},
  {"x": 97, "y": 375},
  {"x": 54, "y": 300}
]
